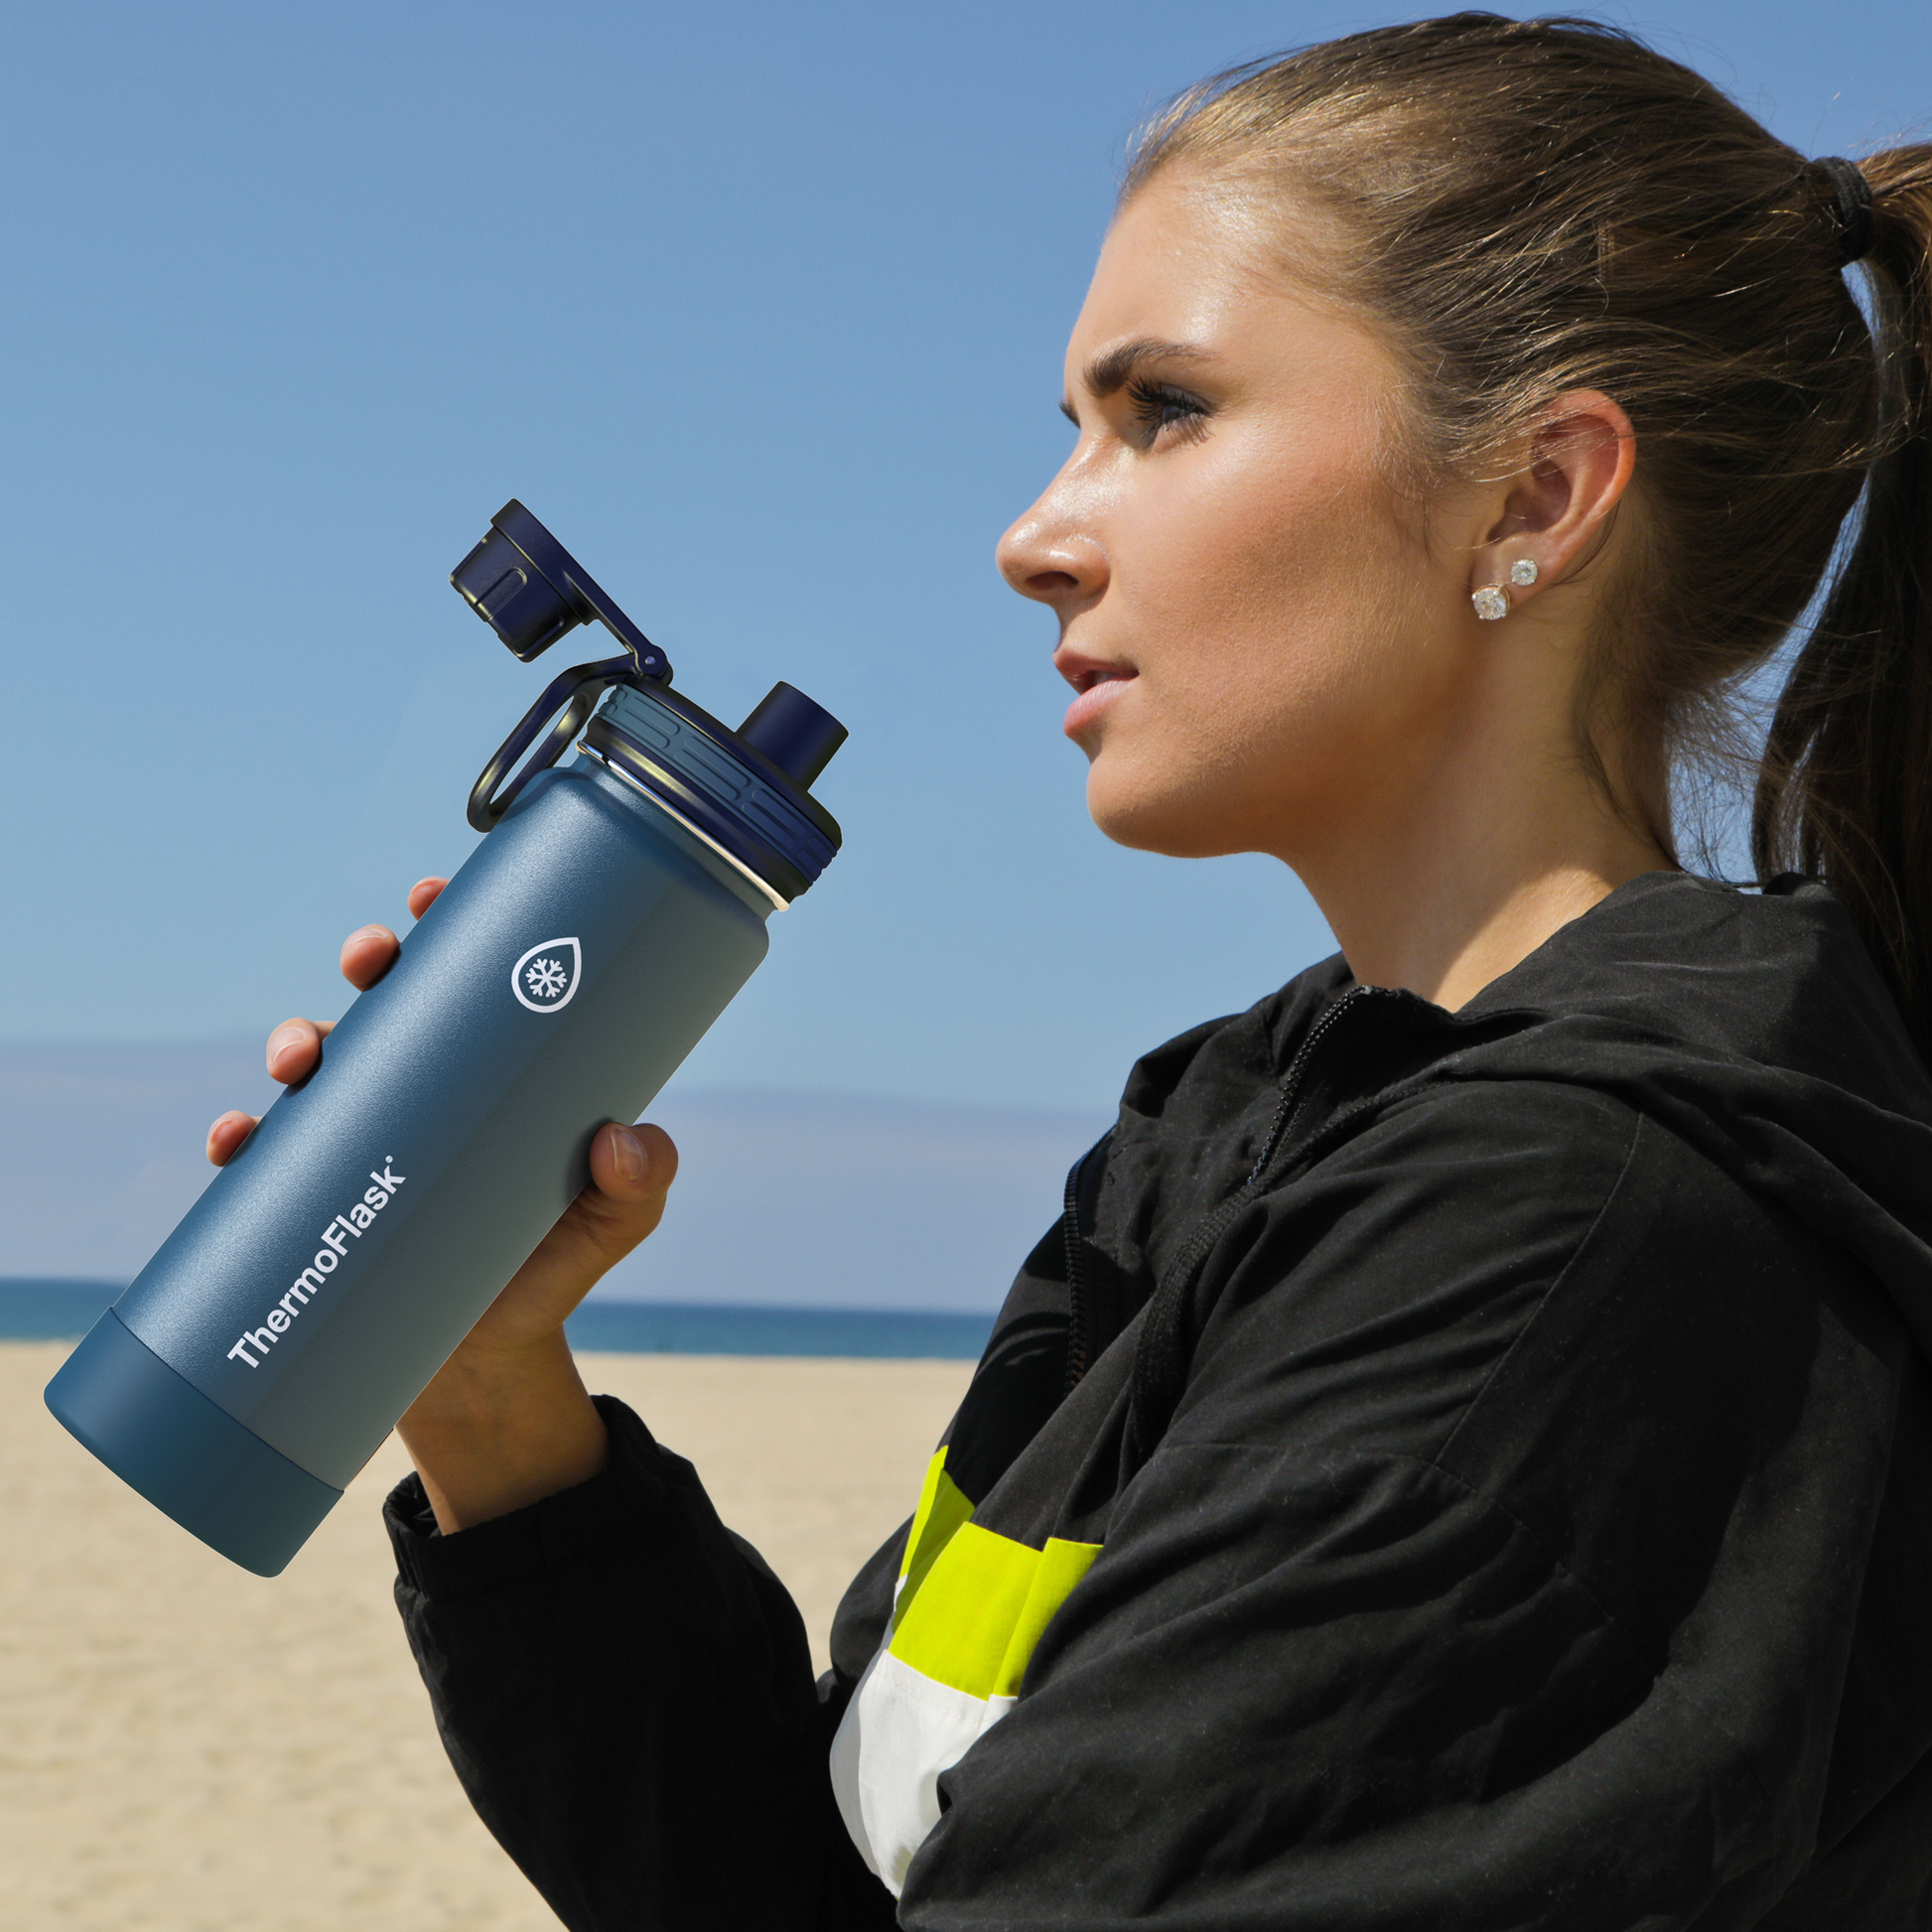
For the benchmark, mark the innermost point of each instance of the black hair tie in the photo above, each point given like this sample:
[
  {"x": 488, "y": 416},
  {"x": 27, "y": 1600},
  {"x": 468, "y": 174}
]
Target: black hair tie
[{"x": 1852, "y": 207}]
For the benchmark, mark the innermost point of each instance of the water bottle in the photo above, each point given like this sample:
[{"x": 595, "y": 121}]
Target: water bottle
[{"x": 617, "y": 905}]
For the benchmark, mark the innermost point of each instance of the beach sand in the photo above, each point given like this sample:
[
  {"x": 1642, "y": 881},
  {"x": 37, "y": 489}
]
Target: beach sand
[{"x": 190, "y": 1749}]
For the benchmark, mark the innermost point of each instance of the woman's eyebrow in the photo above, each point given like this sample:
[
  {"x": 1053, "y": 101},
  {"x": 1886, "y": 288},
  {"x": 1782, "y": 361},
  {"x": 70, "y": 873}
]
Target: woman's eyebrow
[
  {"x": 1117, "y": 367},
  {"x": 1114, "y": 368}
]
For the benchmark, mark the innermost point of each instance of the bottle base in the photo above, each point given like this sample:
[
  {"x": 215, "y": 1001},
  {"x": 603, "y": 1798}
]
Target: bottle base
[{"x": 189, "y": 1457}]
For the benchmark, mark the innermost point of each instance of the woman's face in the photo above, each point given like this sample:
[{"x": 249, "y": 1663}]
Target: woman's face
[{"x": 1263, "y": 644}]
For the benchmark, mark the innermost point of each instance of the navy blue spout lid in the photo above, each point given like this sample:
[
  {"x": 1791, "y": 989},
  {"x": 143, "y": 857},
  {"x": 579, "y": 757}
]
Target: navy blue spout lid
[
  {"x": 747, "y": 792},
  {"x": 724, "y": 787}
]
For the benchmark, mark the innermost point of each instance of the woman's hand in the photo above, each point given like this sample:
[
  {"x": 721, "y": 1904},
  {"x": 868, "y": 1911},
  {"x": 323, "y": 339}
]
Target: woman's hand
[{"x": 506, "y": 1419}]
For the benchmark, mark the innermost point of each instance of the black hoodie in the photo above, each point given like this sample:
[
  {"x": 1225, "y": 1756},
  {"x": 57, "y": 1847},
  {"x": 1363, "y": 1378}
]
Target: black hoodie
[{"x": 1447, "y": 1472}]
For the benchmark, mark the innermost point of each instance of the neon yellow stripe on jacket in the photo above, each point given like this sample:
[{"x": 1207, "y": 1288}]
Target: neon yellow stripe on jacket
[
  {"x": 973, "y": 1603},
  {"x": 942, "y": 1508}
]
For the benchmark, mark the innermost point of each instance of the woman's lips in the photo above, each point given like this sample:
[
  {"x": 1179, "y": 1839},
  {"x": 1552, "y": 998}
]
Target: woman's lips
[{"x": 1099, "y": 688}]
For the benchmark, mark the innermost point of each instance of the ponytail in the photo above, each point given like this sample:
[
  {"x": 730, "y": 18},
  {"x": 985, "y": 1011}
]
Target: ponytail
[{"x": 1845, "y": 785}]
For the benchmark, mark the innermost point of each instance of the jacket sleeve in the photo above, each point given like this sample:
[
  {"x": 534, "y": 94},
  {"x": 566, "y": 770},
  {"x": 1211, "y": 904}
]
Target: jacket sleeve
[
  {"x": 625, "y": 1690},
  {"x": 1483, "y": 1580}
]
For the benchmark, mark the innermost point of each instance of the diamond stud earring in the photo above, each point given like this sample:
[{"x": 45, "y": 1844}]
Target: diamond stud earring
[
  {"x": 1491, "y": 603},
  {"x": 1523, "y": 571}
]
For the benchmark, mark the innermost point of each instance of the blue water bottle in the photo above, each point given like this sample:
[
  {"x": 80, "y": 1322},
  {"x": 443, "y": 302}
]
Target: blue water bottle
[{"x": 327, "y": 1272}]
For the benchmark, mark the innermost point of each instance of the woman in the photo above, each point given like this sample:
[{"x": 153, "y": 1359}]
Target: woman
[{"x": 1466, "y": 1458}]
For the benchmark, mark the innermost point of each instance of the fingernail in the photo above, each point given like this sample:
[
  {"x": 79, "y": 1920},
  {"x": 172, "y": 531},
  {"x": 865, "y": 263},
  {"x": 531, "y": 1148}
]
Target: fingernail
[{"x": 627, "y": 1154}]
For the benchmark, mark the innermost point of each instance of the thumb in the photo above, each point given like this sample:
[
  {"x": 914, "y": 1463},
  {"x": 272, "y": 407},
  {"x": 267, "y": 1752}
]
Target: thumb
[
  {"x": 632, "y": 1170},
  {"x": 633, "y": 1166}
]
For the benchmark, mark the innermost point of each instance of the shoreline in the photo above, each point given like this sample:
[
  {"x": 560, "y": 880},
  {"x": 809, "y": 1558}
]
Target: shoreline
[{"x": 56, "y": 1308}]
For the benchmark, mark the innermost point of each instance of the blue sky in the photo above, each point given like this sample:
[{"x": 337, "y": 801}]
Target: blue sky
[{"x": 760, "y": 307}]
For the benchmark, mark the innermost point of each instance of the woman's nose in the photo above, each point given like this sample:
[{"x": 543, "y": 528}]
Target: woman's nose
[{"x": 1044, "y": 558}]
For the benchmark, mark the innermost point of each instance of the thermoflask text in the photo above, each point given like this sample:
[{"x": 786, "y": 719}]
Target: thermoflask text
[{"x": 327, "y": 1272}]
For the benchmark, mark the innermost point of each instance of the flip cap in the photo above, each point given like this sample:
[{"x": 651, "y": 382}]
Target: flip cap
[{"x": 531, "y": 590}]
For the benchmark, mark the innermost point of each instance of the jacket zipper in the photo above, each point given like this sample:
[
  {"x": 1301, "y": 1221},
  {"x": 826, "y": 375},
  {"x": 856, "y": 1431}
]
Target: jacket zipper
[
  {"x": 1080, "y": 1310},
  {"x": 1162, "y": 1353},
  {"x": 1298, "y": 1073},
  {"x": 1078, "y": 1313}
]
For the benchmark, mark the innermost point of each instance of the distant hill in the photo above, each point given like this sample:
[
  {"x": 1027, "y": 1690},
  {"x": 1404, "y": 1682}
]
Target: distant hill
[{"x": 784, "y": 1199}]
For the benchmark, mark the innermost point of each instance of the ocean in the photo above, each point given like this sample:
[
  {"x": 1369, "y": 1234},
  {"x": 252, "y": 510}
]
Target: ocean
[{"x": 50, "y": 1310}]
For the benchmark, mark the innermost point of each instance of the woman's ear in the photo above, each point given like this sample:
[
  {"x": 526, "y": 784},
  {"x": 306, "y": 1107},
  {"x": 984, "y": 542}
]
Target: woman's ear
[{"x": 1581, "y": 458}]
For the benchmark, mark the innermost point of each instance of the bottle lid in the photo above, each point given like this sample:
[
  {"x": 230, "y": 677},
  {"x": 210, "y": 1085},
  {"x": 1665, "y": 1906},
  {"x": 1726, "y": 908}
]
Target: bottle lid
[
  {"x": 745, "y": 792},
  {"x": 729, "y": 784}
]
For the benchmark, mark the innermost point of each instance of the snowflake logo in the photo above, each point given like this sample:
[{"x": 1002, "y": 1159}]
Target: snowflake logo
[{"x": 546, "y": 979}]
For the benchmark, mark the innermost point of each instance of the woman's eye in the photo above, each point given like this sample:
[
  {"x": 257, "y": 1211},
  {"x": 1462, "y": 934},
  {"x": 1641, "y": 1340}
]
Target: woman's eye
[{"x": 1160, "y": 407}]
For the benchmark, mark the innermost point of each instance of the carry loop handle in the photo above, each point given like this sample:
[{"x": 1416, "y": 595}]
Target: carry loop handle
[{"x": 577, "y": 691}]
